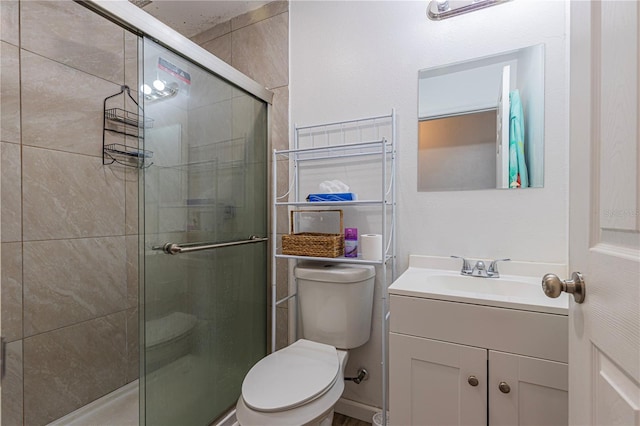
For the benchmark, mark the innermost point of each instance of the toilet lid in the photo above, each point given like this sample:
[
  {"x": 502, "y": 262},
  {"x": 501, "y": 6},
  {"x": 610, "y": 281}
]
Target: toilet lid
[{"x": 291, "y": 376}]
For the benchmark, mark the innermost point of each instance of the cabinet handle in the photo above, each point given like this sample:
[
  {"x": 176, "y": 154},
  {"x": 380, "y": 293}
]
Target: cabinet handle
[
  {"x": 473, "y": 381},
  {"x": 504, "y": 387}
]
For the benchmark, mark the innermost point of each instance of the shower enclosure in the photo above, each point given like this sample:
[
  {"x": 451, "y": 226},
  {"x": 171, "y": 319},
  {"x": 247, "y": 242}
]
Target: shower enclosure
[
  {"x": 95, "y": 185},
  {"x": 203, "y": 206}
]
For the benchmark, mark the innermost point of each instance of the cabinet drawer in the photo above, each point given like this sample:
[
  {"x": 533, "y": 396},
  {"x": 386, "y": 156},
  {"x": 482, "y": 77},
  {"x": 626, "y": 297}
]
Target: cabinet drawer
[{"x": 534, "y": 334}]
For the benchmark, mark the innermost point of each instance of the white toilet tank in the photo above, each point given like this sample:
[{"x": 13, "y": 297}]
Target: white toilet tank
[{"x": 336, "y": 303}]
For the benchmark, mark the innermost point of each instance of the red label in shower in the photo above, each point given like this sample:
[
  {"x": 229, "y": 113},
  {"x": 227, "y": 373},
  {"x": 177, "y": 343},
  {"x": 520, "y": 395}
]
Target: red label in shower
[{"x": 174, "y": 70}]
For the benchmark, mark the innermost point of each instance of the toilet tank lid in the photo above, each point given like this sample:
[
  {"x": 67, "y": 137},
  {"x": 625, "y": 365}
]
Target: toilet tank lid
[{"x": 331, "y": 272}]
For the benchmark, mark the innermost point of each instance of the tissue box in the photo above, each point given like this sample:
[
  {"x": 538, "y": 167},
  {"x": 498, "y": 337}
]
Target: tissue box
[{"x": 340, "y": 196}]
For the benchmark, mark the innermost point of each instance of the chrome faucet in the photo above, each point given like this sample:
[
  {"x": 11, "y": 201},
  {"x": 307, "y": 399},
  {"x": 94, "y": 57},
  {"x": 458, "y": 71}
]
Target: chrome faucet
[
  {"x": 480, "y": 270},
  {"x": 466, "y": 266}
]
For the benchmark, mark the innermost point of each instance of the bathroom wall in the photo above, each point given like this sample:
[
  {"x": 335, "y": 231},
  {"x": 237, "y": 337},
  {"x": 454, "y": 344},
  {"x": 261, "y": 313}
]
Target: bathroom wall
[
  {"x": 69, "y": 224},
  {"x": 354, "y": 59},
  {"x": 257, "y": 44}
]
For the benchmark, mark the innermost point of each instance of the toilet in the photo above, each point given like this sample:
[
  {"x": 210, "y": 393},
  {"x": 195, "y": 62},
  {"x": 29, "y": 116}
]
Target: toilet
[{"x": 300, "y": 384}]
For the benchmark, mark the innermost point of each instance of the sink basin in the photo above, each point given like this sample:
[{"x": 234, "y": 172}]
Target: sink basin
[
  {"x": 490, "y": 286},
  {"x": 508, "y": 291}
]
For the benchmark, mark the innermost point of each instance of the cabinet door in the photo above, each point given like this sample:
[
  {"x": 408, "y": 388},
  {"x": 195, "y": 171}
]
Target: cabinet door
[
  {"x": 429, "y": 382},
  {"x": 534, "y": 391}
]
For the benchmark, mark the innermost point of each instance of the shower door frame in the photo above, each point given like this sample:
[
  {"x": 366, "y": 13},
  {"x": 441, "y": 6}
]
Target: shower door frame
[{"x": 139, "y": 22}]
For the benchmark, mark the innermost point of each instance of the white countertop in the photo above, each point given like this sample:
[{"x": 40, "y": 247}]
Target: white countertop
[{"x": 510, "y": 291}]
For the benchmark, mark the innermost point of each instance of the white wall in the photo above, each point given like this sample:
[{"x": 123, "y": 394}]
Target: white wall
[{"x": 352, "y": 59}]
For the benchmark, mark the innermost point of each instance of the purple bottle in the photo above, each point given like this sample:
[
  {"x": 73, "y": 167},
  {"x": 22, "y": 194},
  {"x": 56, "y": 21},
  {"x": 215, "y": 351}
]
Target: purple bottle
[{"x": 350, "y": 242}]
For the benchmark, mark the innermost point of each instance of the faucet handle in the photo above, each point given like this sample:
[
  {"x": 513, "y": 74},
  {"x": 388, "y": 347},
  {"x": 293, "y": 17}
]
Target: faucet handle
[
  {"x": 493, "y": 267},
  {"x": 466, "y": 266}
]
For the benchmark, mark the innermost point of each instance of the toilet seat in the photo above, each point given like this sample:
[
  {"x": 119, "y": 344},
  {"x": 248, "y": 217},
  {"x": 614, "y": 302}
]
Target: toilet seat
[{"x": 291, "y": 377}]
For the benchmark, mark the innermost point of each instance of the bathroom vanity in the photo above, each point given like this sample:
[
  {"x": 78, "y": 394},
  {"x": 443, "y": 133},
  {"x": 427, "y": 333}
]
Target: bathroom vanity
[{"x": 476, "y": 351}]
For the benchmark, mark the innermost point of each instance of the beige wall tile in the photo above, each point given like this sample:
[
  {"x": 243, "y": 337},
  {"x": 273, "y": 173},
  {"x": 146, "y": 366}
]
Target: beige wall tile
[
  {"x": 282, "y": 286},
  {"x": 131, "y": 201},
  {"x": 169, "y": 284},
  {"x": 10, "y": 99},
  {"x": 212, "y": 33},
  {"x": 283, "y": 183},
  {"x": 280, "y": 118},
  {"x": 261, "y": 51},
  {"x": 208, "y": 125},
  {"x": 220, "y": 47},
  {"x": 131, "y": 60},
  {"x": 12, "y": 402},
  {"x": 132, "y": 270},
  {"x": 67, "y": 368},
  {"x": 267, "y": 11},
  {"x": 11, "y": 268},
  {"x": 9, "y": 22},
  {"x": 59, "y": 115},
  {"x": 133, "y": 345},
  {"x": 11, "y": 192},
  {"x": 69, "y": 196},
  {"x": 73, "y": 35},
  {"x": 215, "y": 94},
  {"x": 282, "y": 327},
  {"x": 69, "y": 281}
]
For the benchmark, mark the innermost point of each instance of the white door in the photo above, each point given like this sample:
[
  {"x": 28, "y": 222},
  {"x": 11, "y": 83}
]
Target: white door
[
  {"x": 502, "y": 130},
  {"x": 604, "y": 222}
]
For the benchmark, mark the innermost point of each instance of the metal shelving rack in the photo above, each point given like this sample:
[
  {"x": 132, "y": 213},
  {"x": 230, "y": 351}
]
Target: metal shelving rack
[{"x": 350, "y": 146}]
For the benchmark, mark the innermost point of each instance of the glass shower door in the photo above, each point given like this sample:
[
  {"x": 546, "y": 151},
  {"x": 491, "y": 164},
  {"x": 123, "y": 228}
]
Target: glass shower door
[{"x": 205, "y": 184}]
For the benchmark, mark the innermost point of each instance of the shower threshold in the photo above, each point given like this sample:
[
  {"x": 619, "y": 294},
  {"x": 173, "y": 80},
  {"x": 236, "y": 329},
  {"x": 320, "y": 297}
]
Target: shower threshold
[{"x": 119, "y": 407}]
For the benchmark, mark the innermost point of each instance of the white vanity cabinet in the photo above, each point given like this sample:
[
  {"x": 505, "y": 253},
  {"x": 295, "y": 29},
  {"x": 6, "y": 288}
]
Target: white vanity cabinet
[{"x": 454, "y": 363}]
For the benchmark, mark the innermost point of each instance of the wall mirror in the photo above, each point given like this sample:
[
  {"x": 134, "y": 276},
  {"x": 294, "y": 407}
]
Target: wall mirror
[{"x": 481, "y": 123}]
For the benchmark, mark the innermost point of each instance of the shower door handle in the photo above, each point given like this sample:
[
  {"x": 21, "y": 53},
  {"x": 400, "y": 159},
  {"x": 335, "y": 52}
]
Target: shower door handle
[{"x": 174, "y": 248}]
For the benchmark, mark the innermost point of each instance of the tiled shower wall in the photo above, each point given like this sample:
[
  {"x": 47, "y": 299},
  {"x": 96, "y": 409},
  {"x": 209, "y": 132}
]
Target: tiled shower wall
[
  {"x": 257, "y": 44},
  {"x": 69, "y": 224}
]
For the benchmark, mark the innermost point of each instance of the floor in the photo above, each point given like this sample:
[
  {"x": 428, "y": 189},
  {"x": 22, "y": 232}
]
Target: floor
[{"x": 342, "y": 420}]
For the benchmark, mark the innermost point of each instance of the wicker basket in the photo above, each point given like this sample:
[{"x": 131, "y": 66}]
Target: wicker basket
[{"x": 314, "y": 244}]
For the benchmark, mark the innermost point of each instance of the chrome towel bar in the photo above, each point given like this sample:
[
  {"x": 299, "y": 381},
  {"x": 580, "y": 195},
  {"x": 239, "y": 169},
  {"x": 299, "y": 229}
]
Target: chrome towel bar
[{"x": 174, "y": 248}]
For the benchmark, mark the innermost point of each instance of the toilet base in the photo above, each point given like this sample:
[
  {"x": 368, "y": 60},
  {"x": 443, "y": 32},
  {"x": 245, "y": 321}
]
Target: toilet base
[{"x": 246, "y": 417}]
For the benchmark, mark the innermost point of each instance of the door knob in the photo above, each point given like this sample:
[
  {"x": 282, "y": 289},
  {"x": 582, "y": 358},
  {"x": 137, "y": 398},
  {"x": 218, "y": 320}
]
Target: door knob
[
  {"x": 504, "y": 387},
  {"x": 553, "y": 286},
  {"x": 473, "y": 381}
]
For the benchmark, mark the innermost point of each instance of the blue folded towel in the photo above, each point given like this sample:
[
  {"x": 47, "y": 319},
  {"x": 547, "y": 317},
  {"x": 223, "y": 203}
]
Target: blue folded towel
[{"x": 518, "y": 176}]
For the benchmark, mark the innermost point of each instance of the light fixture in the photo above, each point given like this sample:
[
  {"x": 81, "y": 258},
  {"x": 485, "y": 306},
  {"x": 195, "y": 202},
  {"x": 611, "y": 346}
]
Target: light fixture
[
  {"x": 160, "y": 90},
  {"x": 443, "y": 9},
  {"x": 158, "y": 85}
]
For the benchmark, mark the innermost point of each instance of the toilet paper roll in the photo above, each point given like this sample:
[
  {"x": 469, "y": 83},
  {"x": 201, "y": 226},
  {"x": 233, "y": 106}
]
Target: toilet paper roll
[{"x": 371, "y": 246}]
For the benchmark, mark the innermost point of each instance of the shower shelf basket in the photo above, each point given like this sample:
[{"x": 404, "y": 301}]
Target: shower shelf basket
[
  {"x": 127, "y": 124},
  {"x": 127, "y": 117}
]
